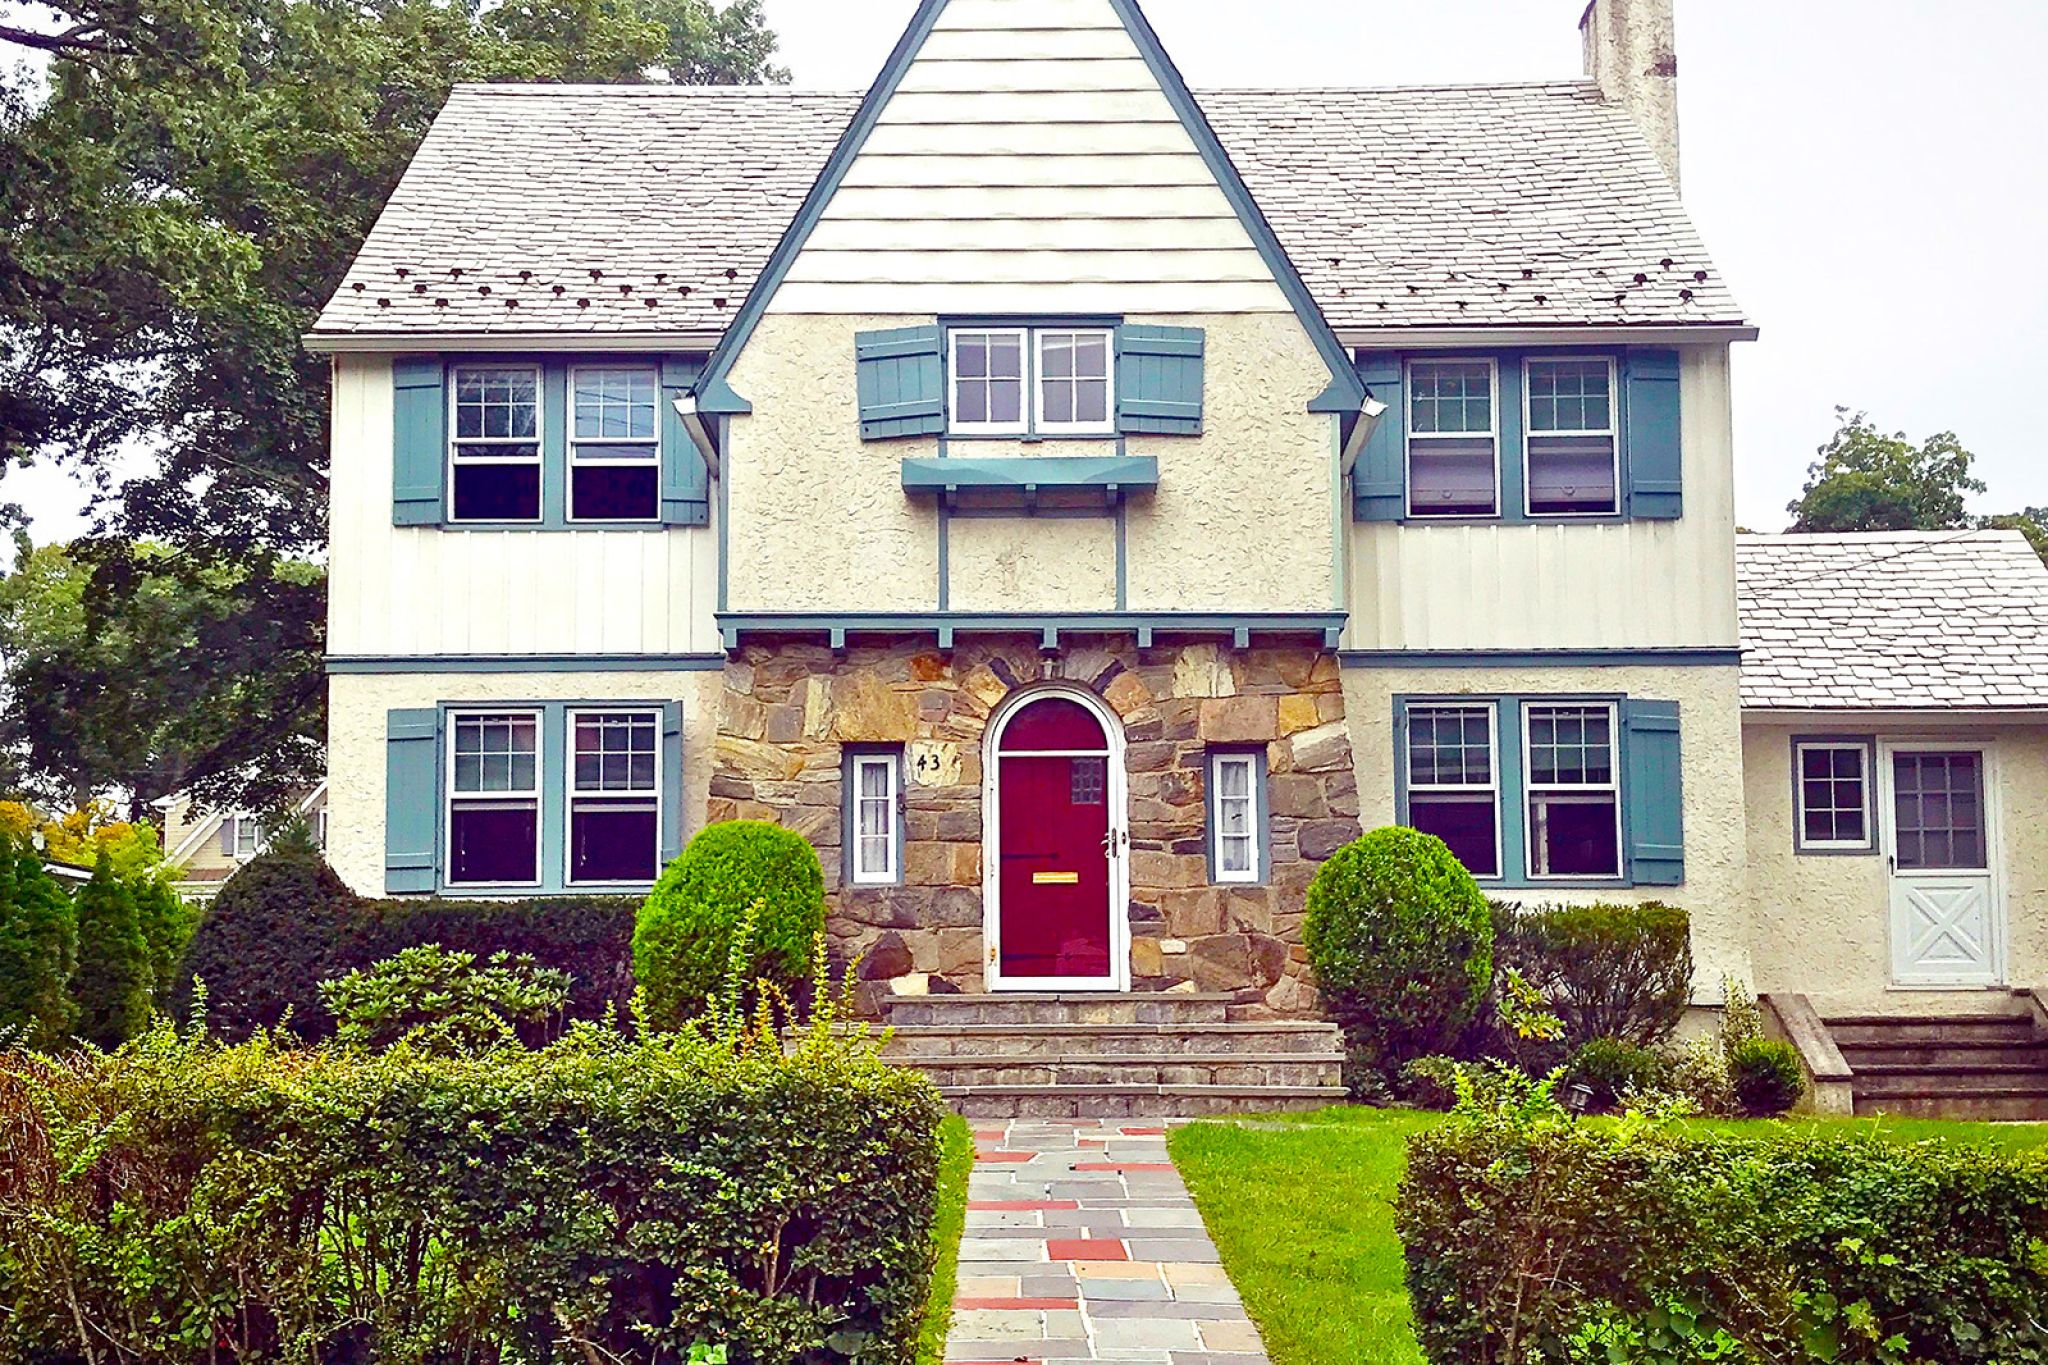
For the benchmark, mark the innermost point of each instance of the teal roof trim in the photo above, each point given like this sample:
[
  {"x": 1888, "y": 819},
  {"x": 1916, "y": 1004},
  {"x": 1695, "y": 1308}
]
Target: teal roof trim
[{"x": 925, "y": 475}]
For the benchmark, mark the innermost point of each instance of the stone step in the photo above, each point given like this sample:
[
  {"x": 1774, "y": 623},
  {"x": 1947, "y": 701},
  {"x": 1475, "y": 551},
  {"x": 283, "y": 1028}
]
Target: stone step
[
  {"x": 1122, "y": 1101},
  {"x": 1951, "y": 1080},
  {"x": 1262, "y": 1071},
  {"x": 2014, "y": 1104},
  {"x": 1075, "y": 1040},
  {"x": 1930, "y": 1030},
  {"x": 1964, "y": 1054},
  {"x": 1164, "y": 1007}
]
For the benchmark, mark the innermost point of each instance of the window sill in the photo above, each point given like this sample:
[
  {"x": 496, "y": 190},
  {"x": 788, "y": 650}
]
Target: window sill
[{"x": 645, "y": 527}]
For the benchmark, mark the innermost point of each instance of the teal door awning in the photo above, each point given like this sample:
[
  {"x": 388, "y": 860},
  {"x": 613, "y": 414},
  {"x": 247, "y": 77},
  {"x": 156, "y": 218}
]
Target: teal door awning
[{"x": 1025, "y": 479}]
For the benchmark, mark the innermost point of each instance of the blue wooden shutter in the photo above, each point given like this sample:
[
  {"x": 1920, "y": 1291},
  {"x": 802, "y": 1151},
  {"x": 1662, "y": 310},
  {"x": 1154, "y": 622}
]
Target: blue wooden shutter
[
  {"x": 227, "y": 836},
  {"x": 1654, "y": 788},
  {"x": 1655, "y": 458},
  {"x": 671, "y": 782},
  {"x": 412, "y": 801},
  {"x": 902, "y": 382},
  {"x": 1379, "y": 482},
  {"x": 685, "y": 478},
  {"x": 419, "y": 439},
  {"x": 1159, "y": 380}
]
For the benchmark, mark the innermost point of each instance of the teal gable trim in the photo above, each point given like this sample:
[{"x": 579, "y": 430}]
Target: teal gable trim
[
  {"x": 1705, "y": 657},
  {"x": 374, "y": 665},
  {"x": 1114, "y": 475},
  {"x": 1240, "y": 628}
]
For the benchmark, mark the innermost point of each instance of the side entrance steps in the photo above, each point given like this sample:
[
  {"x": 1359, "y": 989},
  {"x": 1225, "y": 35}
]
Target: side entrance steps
[
  {"x": 1112, "y": 1056},
  {"x": 1989, "y": 1064}
]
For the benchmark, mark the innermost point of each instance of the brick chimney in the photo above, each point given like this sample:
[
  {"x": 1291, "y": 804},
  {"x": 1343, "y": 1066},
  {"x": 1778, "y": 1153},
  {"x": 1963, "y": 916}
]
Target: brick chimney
[{"x": 1632, "y": 55}]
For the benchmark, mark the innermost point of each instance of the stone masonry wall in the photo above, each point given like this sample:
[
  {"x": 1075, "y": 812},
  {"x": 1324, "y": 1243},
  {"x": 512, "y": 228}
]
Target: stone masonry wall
[{"x": 789, "y": 708}]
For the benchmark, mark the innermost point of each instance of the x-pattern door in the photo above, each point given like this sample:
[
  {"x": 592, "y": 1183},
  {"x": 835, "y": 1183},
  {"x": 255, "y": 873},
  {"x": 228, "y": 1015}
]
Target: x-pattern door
[{"x": 1940, "y": 843}]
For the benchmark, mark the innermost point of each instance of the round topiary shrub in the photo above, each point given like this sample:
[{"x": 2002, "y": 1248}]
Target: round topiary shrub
[
  {"x": 1767, "y": 1076},
  {"x": 279, "y": 927},
  {"x": 1401, "y": 940},
  {"x": 683, "y": 941}
]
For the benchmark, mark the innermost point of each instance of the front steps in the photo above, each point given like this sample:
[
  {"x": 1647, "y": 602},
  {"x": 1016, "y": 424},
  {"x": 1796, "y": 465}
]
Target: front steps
[
  {"x": 1969, "y": 1066},
  {"x": 1112, "y": 1056}
]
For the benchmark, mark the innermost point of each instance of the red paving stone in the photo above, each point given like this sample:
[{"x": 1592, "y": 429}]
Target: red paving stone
[
  {"x": 1016, "y": 1305},
  {"x": 1123, "y": 1166},
  {"x": 989, "y": 1135},
  {"x": 1020, "y": 1205},
  {"x": 1143, "y": 1132},
  {"x": 1092, "y": 1249},
  {"x": 1004, "y": 1158}
]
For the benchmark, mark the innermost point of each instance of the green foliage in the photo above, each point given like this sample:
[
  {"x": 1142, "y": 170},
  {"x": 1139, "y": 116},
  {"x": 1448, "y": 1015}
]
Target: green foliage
[
  {"x": 1530, "y": 1237},
  {"x": 2032, "y": 523},
  {"x": 684, "y": 939},
  {"x": 1402, "y": 946},
  {"x": 111, "y": 985},
  {"x": 1868, "y": 481},
  {"x": 441, "y": 1002},
  {"x": 1767, "y": 1077},
  {"x": 1607, "y": 971},
  {"x": 1615, "y": 1069},
  {"x": 683, "y": 1195},
  {"x": 38, "y": 949}
]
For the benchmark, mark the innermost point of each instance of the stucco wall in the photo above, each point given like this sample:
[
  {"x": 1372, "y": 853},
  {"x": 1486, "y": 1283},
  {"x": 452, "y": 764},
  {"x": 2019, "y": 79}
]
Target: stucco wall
[
  {"x": 1823, "y": 923},
  {"x": 1032, "y": 563},
  {"x": 1711, "y": 740},
  {"x": 356, "y": 734}
]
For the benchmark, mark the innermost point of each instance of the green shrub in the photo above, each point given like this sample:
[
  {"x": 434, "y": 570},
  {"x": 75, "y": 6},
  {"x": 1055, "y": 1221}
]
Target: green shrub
[
  {"x": 442, "y": 1002},
  {"x": 1612, "y": 1069},
  {"x": 38, "y": 948},
  {"x": 1767, "y": 1077},
  {"x": 1540, "y": 1239},
  {"x": 1608, "y": 971},
  {"x": 111, "y": 984},
  {"x": 683, "y": 941}
]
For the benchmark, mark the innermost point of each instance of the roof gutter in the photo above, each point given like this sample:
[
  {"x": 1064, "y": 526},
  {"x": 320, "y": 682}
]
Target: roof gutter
[
  {"x": 1394, "y": 338},
  {"x": 396, "y": 343},
  {"x": 1369, "y": 414}
]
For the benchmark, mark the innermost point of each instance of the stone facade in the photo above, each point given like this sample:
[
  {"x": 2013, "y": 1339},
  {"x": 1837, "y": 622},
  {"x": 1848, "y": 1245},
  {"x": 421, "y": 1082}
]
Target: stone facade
[{"x": 791, "y": 707}]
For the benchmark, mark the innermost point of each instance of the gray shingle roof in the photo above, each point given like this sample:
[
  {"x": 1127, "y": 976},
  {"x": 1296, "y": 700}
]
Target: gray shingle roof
[
  {"x": 594, "y": 209},
  {"x": 1893, "y": 621}
]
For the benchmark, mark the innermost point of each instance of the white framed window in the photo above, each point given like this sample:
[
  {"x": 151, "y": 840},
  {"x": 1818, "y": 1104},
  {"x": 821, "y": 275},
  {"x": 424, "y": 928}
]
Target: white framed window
[
  {"x": 614, "y": 443},
  {"x": 877, "y": 793},
  {"x": 245, "y": 837},
  {"x": 494, "y": 784},
  {"x": 990, "y": 371},
  {"x": 1831, "y": 783},
  {"x": 320, "y": 828},
  {"x": 1075, "y": 392},
  {"x": 494, "y": 448},
  {"x": 1572, "y": 460},
  {"x": 614, "y": 798},
  {"x": 1574, "y": 789},
  {"x": 1454, "y": 782},
  {"x": 1235, "y": 833},
  {"x": 1453, "y": 438}
]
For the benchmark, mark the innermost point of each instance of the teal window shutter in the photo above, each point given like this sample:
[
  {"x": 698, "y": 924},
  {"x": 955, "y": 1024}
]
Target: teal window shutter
[
  {"x": 685, "y": 479},
  {"x": 671, "y": 782},
  {"x": 1655, "y": 456},
  {"x": 1159, "y": 380},
  {"x": 1379, "y": 482},
  {"x": 1654, "y": 790},
  {"x": 419, "y": 448},
  {"x": 412, "y": 801},
  {"x": 902, "y": 382}
]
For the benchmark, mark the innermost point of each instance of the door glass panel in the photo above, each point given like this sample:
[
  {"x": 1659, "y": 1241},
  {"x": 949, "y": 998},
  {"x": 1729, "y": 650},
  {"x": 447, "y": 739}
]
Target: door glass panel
[{"x": 1938, "y": 809}]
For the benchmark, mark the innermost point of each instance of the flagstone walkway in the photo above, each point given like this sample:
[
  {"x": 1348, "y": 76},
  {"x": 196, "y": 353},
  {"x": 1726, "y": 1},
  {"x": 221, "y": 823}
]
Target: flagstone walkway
[{"x": 1082, "y": 1245}]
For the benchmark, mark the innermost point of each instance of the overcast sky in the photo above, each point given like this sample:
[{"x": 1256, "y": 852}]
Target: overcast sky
[{"x": 1872, "y": 176}]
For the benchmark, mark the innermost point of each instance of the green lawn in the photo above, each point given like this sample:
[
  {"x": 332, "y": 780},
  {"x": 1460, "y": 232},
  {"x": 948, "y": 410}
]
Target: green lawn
[
  {"x": 1302, "y": 1210},
  {"x": 956, "y": 1161}
]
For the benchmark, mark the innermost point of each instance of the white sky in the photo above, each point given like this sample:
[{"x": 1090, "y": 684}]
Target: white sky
[{"x": 1872, "y": 176}]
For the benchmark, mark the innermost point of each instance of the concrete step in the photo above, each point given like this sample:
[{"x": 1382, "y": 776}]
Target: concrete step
[
  {"x": 1966, "y": 1054},
  {"x": 1123, "y": 1101},
  {"x": 1163, "y": 1007},
  {"x": 1077, "y": 1040},
  {"x": 1262, "y": 1071},
  {"x": 1953, "y": 1080},
  {"x": 2015, "y": 1104},
  {"x": 1930, "y": 1030}
]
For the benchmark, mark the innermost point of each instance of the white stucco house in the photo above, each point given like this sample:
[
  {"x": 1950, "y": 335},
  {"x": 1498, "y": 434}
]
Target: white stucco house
[{"x": 1080, "y": 504}]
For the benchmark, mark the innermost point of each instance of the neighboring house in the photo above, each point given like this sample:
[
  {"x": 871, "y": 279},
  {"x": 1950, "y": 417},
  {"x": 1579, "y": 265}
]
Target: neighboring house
[
  {"x": 209, "y": 846},
  {"x": 1077, "y": 505}
]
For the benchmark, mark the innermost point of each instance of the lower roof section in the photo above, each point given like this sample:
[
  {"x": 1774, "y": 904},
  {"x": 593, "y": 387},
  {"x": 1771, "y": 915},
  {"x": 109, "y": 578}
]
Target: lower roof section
[{"x": 946, "y": 627}]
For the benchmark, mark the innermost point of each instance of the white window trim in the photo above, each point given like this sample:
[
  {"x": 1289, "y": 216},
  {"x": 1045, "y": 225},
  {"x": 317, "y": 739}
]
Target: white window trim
[
  {"x": 451, "y": 798},
  {"x": 236, "y": 824},
  {"x": 1408, "y": 445},
  {"x": 651, "y": 458},
  {"x": 570, "y": 795},
  {"x": 476, "y": 450},
  {"x": 887, "y": 875},
  {"x": 1255, "y": 843},
  {"x": 1492, "y": 789},
  {"x": 1532, "y": 842},
  {"x": 1868, "y": 767},
  {"x": 1612, "y": 434},
  {"x": 958, "y": 427},
  {"x": 1039, "y": 424}
]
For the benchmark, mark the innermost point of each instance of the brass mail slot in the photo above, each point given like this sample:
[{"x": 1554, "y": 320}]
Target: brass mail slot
[{"x": 1055, "y": 879}]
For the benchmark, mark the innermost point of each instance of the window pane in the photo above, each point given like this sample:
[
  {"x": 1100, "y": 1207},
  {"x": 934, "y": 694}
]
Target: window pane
[
  {"x": 1574, "y": 836},
  {"x": 496, "y": 404},
  {"x": 1570, "y": 395},
  {"x": 1450, "y": 747},
  {"x": 1006, "y": 400},
  {"x": 1571, "y": 746},
  {"x": 1452, "y": 477},
  {"x": 497, "y": 492},
  {"x": 1057, "y": 356},
  {"x": 1088, "y": 781},
  {"x": 1059, "y": 403},
  {"x": 495, "y": 753},
  {"x": 615, "y": 492},
  {"x": 615, "y": 753},
  {"x": 494, "y": 844},
  {"x": 1939, "y": 811},
  {"x": 1465, "y": 823},
  {"x": 1572, "y": 476},
  {"x": 615, "y": 405},
  {"x": 1451, "y": 397},
  {"x": 1832, "y": 795},
  {"x": 613, "y": 843},
  {"x": 970, "y": 358}
]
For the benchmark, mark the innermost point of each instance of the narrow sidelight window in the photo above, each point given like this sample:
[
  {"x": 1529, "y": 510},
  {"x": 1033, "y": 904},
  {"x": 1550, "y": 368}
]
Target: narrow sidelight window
[
  {"x": 877, "y": 787},
  {"x": 1453, "y": 439},
  {"x": 1574, "y": 791},
  {"x": 1074, "y": 395},
  {"x": 988, "y": 382},
  {"x": 1833, "y": 788},
  {"x": 495, "y": 454},
  {"x": 1454, "y": 782},
  {"x": 1234, "y": 817},
  {"x": 494, "y": 799},
  {"x": 615, "y": 798},
  {"x": 1572, "y": 464},
  {"x": 614, "y": 445}
]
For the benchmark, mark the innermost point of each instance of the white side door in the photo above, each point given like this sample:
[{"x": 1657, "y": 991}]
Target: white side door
[{"x": 1941, "y": 848}]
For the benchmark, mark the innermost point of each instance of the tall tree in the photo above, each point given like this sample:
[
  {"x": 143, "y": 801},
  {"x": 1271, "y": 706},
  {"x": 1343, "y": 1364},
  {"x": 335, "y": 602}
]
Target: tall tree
[
  {"x": 1868, "y": 481},
  {"x": 111, "y": 986},
  {"x": 38, "y": 947}
]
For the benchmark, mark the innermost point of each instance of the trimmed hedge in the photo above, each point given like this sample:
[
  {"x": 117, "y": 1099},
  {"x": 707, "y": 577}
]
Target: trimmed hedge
[
  {"x": 1607, "y": 971},
  {"x": 1565, "y": 1241},
  {"x": 183, "y": 1201}
]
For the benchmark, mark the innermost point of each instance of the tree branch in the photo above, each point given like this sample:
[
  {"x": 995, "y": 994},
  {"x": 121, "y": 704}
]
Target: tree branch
[{"x": 84, "y": 38}]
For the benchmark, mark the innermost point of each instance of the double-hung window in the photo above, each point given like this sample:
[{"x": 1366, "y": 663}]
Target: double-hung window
[
  {"x": 245, "y": 837},
  {"x": 1454, "y": 782},
  {"x": 1572, "y": 456},
  {"x": 1022, "y": 381},
  {"x": 877, "y": 852},
  {"x": 1453, "y": 439},
  {"x": 1833, "y": 790},
  {"x": 495, "y": 455},
  {"x": 990, "y": 372},
  {"x": 494, "y": 798},
  {"x": 1235, "y": 828},
  {"x": 614, "y": 444},
  {"x": 615, "y": 797},
  {"x": 1574, "y": 826}
]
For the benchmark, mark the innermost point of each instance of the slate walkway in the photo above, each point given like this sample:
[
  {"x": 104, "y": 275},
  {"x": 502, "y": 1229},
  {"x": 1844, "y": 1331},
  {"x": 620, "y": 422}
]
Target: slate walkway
[{"x": 1082, "y": 1245}]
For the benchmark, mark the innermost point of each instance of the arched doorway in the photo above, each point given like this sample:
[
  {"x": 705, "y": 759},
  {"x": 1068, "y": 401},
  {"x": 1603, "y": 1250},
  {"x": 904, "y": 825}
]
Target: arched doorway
[{"x": 1056, "y": 878}]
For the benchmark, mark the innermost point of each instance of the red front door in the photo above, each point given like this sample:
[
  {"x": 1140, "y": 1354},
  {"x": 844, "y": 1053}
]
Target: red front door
[{"x": 1053, "y": 921}]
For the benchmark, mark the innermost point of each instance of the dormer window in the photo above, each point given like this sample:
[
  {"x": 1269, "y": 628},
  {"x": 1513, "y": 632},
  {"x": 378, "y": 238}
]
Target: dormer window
[
  {"x": 614, "y": 444},
  {"x": 1026, "y": 381},
  {"x": 1453, "y": 439}
]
